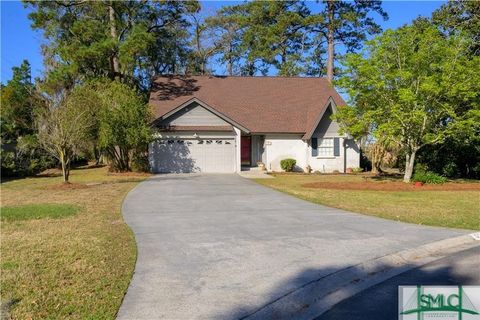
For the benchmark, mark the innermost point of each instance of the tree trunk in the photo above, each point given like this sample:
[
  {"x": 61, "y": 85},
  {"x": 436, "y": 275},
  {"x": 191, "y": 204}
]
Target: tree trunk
[
  {"x": 229, "y": 68},
  {"x": 230, "y": 61},
  {"x": 114, "y": 64},
  {"x": 96, "y": 154},
  {"x": 251, "y": 69},
  {"x": 330, "y": 40},
  {"x": 65, "y": 167},
  {"x": 409, "y": 164}
]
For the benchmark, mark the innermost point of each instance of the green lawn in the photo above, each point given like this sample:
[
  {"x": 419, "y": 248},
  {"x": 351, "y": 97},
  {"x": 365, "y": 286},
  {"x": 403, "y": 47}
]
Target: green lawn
[
  {"x": 38, "y": 211},
  {"x": 66, "y": 252},
  {"x": 457, "y": 209}
]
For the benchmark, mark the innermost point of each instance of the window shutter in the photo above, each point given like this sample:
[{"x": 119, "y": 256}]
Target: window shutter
[
  {"x": 336, "y": 147},
  {"x": 314, "y": 147}
]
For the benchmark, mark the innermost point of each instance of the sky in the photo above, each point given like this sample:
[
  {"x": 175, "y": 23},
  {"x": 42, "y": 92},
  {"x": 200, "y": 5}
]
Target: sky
[{"x": 19, "y": 41}]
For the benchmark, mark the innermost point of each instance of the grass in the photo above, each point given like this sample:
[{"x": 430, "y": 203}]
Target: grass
[
  {"x": 456, "y": 209},
  {"x": 76, "y": 267},
  {"x": 38, "y": 211}
]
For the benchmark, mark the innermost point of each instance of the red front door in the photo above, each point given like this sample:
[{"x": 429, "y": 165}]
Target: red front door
[{"x": 246, "y": 147}]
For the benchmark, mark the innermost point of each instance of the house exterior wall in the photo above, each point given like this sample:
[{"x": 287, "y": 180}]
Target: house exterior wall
[
  {"x": 282, "y": 146},
  {"x": 238, "y": 150},
  {"x": 328, "y": 128},
  {"x": 194, "y": 115},
  {"x": 330, "y": 164}
]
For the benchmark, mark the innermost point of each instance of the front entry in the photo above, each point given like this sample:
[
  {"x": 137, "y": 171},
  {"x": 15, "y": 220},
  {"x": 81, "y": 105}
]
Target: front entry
[{"x": 246, "y": 150}]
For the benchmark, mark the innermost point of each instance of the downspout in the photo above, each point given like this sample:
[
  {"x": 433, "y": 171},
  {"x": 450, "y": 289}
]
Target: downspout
[{"x": 344, "y": 155}]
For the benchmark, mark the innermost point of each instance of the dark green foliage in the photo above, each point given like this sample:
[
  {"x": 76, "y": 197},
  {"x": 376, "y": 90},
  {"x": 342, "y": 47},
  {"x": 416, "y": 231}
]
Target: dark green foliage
[
  {"x": 21, "y": 154},
  {"x": 460, "y": 16},
  {"x": 126, "y": 40},
  {"x": 256, "y": 35},
  {"x": 25, "y": 157},
  {"x": 397, "y": 95},
  {"x": 345, "y": 22},
  {"x": 38, "y": 211},
  {"x": 124, "y": 130},
  {"x": 453, "y": 159},
  {"x": 17, "y": 104},
  {"x": 288, "y": 164}
]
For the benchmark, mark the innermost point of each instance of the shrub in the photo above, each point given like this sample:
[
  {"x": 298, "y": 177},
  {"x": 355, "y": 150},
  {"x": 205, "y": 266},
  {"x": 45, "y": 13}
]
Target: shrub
[
  {"x": 288, "y": 164},
  {"x": 428, "y": 177},
  {"x": 420, "y": 167},
  {"x": 451, "y": 170},
  {"x": 357, "y": 170}
]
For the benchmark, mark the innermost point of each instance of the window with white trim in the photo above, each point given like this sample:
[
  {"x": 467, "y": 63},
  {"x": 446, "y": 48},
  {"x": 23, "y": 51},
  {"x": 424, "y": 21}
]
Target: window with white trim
[{"x": 325, "y": 147}]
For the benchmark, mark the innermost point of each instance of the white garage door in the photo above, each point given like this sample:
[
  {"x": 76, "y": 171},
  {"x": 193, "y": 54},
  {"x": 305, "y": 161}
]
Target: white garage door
[{"x": 193, "y": 155}]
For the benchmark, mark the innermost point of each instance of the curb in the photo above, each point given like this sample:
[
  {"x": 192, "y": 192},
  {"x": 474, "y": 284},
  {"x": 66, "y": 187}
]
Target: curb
[{"x": 317, "y": 297}]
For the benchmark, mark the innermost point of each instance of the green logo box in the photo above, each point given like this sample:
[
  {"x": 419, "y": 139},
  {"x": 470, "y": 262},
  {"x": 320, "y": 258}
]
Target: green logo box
[{"x": 439, "y": 302}]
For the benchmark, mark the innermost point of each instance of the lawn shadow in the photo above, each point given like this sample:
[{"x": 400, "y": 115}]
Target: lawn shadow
[{"x": 6, "y": 306}]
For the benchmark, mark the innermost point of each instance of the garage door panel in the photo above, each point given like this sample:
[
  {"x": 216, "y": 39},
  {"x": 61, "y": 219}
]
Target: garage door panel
[{"x": 192, "y": 155}]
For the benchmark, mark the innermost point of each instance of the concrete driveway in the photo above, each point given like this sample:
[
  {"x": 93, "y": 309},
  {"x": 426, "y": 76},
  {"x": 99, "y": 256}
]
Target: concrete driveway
[{"x": 221, "y": 246}]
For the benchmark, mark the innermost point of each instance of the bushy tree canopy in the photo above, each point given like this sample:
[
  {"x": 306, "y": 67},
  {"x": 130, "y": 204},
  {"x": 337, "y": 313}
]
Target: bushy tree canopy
[
  {"x": 126, "y": 40},
  {"x": 124, "y": 123},
  {"x": 413, "y": 85}
]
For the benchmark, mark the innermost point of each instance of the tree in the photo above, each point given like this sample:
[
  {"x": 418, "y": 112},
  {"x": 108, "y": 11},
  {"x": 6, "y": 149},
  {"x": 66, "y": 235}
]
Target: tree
[
  {"x": 203, "y": 46},
  {"x": 125, "y": 40},
  {"x": 260, "y": 34},
  {"x": 124, "y": 124},
  {"x": 347, "y": 23},
  {"x": 225, "y": 25},
  {"x": 407, "y": 86},
  {"x": 63, "y": 130},
  {"x": 276, "y": 34},
  {"x": 17, "y": 104},
  {"x": 460, "y": 16},
  {"x": 21, "y": 154}
]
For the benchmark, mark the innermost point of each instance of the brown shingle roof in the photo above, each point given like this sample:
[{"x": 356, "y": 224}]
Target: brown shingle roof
[
  {"x": 261, "y": 104},
  {"x": 198, "y": 128}
]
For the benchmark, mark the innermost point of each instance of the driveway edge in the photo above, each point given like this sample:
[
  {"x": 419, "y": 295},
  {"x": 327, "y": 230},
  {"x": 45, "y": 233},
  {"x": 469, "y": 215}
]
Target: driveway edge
[{"x": 318, "y": 296}]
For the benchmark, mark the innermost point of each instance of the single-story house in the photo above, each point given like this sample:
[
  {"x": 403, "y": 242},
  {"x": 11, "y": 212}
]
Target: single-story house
[{"x": 222, "y": 124}]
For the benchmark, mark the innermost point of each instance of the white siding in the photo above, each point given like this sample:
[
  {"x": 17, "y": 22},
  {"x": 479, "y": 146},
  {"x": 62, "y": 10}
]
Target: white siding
[
  {"x": 329, "y": 129},
  {"x": 282, "y": 146},
  {"x": 194, "y": 115},
  {"x": 330, "y": 164}
]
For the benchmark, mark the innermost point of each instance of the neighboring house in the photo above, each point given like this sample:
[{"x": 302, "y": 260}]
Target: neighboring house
[{"x": 221, "y": 124}]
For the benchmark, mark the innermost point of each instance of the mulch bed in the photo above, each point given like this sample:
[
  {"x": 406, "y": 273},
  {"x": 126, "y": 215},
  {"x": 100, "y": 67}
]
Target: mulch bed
[
  {"x": 392, "y": 186},
  {"x": 67, "y": 186}
]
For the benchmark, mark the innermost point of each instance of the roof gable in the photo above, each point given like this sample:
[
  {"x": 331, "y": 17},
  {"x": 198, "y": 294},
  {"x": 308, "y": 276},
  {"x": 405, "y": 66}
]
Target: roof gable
[
  {"x": 197, "y": 103},
  {"x": 254, "y": 104}
]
